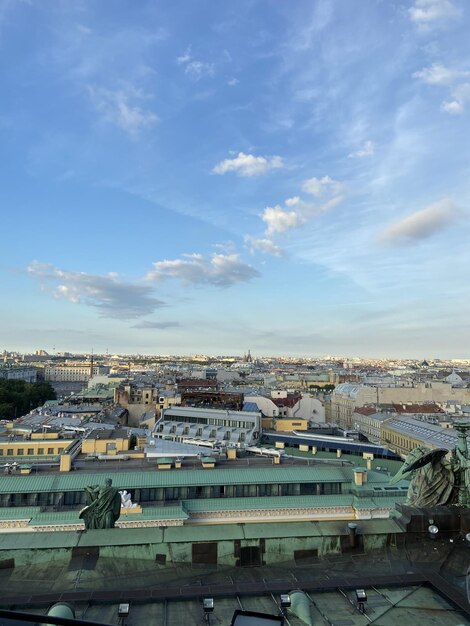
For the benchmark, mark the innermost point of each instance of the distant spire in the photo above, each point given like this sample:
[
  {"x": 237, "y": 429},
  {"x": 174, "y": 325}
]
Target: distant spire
[{"x": 91, "y": 364}]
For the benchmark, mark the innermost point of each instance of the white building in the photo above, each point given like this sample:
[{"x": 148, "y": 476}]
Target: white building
[{"x": 183, "y": 423}]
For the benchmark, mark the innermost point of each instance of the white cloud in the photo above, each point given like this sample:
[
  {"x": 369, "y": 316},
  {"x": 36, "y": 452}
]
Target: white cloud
[
  {"x": 438, "y": 74},
  {"x": 427, "y": 14},
  {"x": 297, "y": 211},
  {"x": 195, "y": 69},
  {"x": 278, "y": 220},
  {"x": 185, "y": 57},
  {"x": 460, "y": 97},
  {"x": 232, "y": 82},
  {"x": 295, "y": 201},
  {"x": 222, "y": 270},
  {"x": 145, "y": 325},
  {"x": 367, "y": 149},
  {"x": 422, "y": 224},
  {"x": 198, "y": 69},
  {"x": 262, "y": 245},
  {"x": 119, "y": 107},
  {"x": 248, "y": 165},
  {"x": 321, "y": 186},
  {"x": 113, "y": 297}
]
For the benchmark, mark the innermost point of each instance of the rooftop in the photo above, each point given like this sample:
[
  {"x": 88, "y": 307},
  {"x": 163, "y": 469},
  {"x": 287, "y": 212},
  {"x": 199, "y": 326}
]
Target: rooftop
[{"x": 398, "y": 592}]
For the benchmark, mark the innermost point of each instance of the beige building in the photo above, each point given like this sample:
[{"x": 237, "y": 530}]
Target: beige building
[
  {"x": 69, "y": 373},
  {"x": 137, "y": 398},
  {"x": 402, "y": 434},
  {"x": 106, "y": 442},
  {"x": 347, "y": 396},
  {"x": 369, "y": 422}
]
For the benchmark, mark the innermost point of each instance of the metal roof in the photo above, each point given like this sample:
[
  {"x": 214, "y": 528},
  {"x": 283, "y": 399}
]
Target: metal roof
[
  {"x": 75, "y": 481},
  {"x": 428, "y": 433},
  {"x": 252, "y": 504}
]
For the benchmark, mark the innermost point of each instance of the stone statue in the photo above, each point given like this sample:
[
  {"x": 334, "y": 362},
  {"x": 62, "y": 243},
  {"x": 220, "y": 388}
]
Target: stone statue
[
  {"x": 461, "y": 463},
  {"x": 126, "y": 500},
  {"x": 432, "y": 478},
  {"x": 103, "y": 506},
  {"x": 436, "y": 481}
]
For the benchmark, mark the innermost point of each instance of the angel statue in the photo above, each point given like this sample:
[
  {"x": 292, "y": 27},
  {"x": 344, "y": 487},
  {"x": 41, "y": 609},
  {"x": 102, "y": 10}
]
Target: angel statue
[{"x": 432, "y": 477}]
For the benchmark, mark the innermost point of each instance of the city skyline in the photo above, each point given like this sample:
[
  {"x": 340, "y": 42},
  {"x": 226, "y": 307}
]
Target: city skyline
[{"x": 192, "y": 179}]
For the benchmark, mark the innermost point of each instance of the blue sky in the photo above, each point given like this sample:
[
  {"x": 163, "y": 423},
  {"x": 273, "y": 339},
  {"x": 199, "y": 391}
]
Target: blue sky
[{"x": 208, "y": 177}]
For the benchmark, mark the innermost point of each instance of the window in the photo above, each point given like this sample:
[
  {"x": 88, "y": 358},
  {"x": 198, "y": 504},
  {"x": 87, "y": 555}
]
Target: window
[
  {"x": 40, "y": 450},
  {"x": 30, "y": 451},
  {"x": 10, "y": 452},
  {"x": 50, "y": 450},
  {"x": 20, "y": 451}
]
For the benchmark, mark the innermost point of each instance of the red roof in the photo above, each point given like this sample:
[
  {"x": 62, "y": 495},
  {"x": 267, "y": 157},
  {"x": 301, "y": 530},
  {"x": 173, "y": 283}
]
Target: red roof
[
  {"x": 365, "y": 410},
  {"x": 290, "y": 401},
  {"x": 418, "y": 408}
]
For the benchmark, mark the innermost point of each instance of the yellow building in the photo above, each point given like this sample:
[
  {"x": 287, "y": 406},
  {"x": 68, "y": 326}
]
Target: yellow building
[
  {"x": 106, "y": 442},
  {"x": 34, "y": 447},
  {"x": 290, "y": 424}
]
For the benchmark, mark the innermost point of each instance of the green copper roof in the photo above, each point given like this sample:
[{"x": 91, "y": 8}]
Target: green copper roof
[
  {"x": 253, "y": 504},
  {"x": 190, "y": 533},
  {"x": 20, "y": 512},
  {"x": 71, "y": 517},
  {"x": 76, "y": 481}
]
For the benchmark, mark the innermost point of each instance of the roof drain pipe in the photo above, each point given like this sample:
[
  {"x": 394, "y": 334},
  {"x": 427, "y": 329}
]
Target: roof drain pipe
[{"x": 352, "y": 529}]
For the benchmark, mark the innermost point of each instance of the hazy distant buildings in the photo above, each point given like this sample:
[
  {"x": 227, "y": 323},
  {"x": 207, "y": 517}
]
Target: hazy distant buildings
[
  {"x": 18, "y": 372},
  {"x": 347, "y": 396},
  {"x": 81, "y": 372}
]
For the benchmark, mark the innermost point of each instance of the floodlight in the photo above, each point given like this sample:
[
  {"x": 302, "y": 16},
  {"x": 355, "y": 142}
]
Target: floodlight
[
  {"x": 285, "y": 600},
  {"x": 467, "y": 537},
  {"x": 208, "y": 605},
  {"x": 361, "y": 595},
  {"x": 123, "y": 610},
  {"x": 433, "y": 530},
  {"x": 361, "y": 598}
]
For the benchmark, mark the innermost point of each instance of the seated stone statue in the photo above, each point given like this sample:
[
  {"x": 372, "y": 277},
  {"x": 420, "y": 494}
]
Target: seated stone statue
[
  {"x": 103, "y": 506},
  {"x": 432, "y": 478}
]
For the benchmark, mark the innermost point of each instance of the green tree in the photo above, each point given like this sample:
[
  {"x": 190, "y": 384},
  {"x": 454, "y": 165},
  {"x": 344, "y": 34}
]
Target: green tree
[{"x": 18, "y": 397}]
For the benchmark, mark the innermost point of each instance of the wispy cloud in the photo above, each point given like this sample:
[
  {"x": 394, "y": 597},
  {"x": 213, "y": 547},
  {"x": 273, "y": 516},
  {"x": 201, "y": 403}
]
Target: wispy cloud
[
  {"x": 198, "y": 70},
  {"x": 194, "y": 68},
  {"x": 322, "y": 186},
  {"x": 265, "y": 246},
  {"x": 460, "y": 97},
  {"x": 221, "y": 270},
  {"x": 122, "y": 108},
  {"x": 438, "y": 74},
  {"x": 145, "y": 325},
  {"x": 422, "y": 224},
  {"x": 248, "y": 165},
  {"x": 110, "y": 295},
  {"x": 430, "y": 14},
  {"x": 185, "y": 57},
  {"x": 367, "y": 149}
]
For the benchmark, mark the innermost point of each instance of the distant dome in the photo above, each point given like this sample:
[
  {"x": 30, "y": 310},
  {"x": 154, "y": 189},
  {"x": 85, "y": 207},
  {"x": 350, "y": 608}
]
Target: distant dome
[{"x": 453, "y": 378}]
